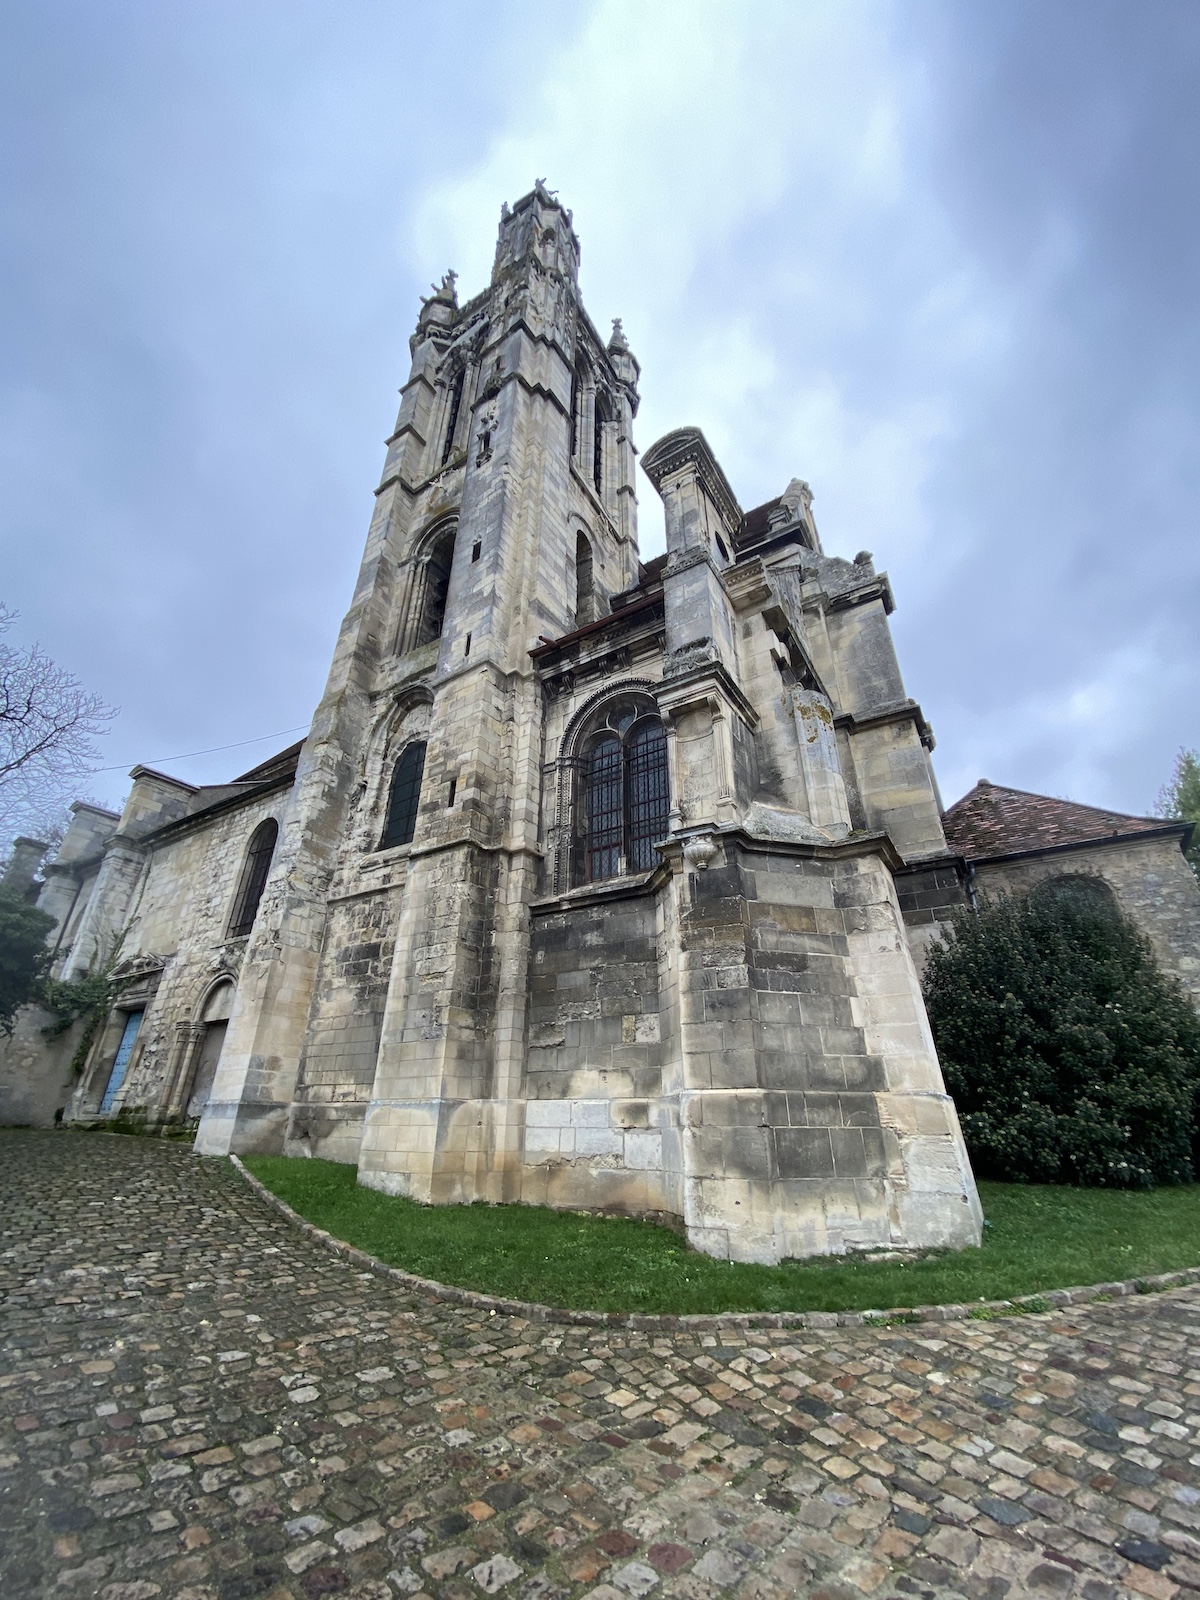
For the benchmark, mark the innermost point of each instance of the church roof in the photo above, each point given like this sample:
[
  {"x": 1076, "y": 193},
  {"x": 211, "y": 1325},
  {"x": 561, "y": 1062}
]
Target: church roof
[
  {"x": 991, "y": 820},
  {"x": 756, "y": 523},
  {"x": 281, "y": 766}
]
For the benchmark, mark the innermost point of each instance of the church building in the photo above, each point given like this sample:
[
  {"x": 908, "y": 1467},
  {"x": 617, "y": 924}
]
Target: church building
[{"x": 596, "y": 883}]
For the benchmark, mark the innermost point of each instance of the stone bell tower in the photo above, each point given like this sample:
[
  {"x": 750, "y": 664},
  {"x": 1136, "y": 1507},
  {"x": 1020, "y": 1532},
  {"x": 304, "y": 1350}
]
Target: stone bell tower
[
  {"x": 444, "y": 1121},
  {"x": 512, "y": 454}
]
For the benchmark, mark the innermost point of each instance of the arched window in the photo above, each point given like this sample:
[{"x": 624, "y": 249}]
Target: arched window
[
  {"x": 585, "y": 595},
  {"x": 254, "y": 877},
  {"x": 405, "y": 797},
  {"x": 436, "y": 586},
  {"x": 625, "y": 796},
  {"x": 1082, "y": 890},
  {"x": 603, "y": 415},
  {"x": 456, "y": 394}
]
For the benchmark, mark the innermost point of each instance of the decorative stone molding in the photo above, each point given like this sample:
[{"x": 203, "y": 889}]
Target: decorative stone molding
[{"x": 700, "y": 851}]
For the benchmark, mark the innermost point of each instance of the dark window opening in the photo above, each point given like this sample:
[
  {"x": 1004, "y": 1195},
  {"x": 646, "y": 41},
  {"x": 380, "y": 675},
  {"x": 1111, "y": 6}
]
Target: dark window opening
[
  {"x": 452, "y": 792},
  {"x": 467, "y": 647},
  {"x": 1083, "y": 892},
  {"x": 456, "y": 394},
  {"x": 438, "y": 566},
  {"x": 254, "y": 877},
  {"x": 585, "y": 604},
  {"x": 602, "y": 416},
  {"x": 404, "y": 798},
  {"x": 576, "y": 402},
  {"x": 648, "y": 798},
  {"x": 626, "y": 795},
  {"x": 476, "y": 550},
  {"x": 721, "y": 547},
  {"x": 605, "y": 809}
]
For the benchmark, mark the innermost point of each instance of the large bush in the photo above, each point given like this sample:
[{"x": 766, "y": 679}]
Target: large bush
[
  {"x": 1071, "y": 1056},
  {"x": 24, "y": 958}
]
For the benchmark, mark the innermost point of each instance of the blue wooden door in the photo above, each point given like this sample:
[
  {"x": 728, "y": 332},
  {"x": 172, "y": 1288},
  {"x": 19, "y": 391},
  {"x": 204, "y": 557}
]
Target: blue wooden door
[{"x": 116, "y": 1077}]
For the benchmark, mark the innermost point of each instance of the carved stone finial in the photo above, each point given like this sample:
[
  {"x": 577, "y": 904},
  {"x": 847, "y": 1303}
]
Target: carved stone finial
[{"x": 618, "y": 340}]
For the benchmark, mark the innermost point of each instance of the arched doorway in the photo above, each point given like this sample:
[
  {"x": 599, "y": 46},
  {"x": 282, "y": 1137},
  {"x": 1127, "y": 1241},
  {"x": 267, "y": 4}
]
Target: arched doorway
[{"x": 214, "y": 1021}]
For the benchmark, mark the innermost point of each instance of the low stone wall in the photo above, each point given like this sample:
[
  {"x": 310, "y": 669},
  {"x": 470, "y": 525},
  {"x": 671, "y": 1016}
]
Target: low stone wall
[{"x": 36, "y": 1077}]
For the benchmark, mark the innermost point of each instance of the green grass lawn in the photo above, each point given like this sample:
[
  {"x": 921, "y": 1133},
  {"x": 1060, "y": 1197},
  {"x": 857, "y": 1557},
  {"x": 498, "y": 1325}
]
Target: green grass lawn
[{"x": 1037, "y": 1238}]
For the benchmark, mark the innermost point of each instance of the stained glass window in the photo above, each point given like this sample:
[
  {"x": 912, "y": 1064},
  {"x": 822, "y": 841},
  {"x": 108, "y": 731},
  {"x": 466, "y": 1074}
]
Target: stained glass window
[{"x": 405, "y": 797}]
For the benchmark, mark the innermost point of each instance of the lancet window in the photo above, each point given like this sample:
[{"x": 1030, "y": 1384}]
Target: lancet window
[
  {"x": 456, "y": 394},
  {"x": 254, "y": 877},
  {"x": 425, "y": 612},
  {"x": 404, "y": 797},
  {"x": 603, "y": 414},
  {"x": 585, "y": 582}
]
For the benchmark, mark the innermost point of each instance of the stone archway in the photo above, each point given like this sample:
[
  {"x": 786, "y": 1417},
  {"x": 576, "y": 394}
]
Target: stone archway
[{"x": 211, "y": 1028}]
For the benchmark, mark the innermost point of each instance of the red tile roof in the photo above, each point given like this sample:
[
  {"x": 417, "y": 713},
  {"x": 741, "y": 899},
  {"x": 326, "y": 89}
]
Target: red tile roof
[{"x": 993, "y": 821}]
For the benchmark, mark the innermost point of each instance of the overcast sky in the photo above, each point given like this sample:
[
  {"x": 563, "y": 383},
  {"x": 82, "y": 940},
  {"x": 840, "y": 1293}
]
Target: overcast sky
[{"x": 940, "y": 259}]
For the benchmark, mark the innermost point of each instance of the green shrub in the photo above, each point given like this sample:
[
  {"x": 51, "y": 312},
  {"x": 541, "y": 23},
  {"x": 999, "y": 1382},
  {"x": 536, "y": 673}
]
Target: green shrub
[
  {"x": 24, "y": 957},
  {"x": 1071, "y": 1056}
]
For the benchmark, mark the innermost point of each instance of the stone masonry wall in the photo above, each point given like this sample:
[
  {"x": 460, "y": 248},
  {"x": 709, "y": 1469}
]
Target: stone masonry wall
[
  {"x": 180, "y": 914},
  {"x": 818, "y": 1119},
  {"x": 36, "y": 1078},
  {"x": 1152, "y": 882},
  {"x": 594, "y": 1078},
  {"x": 341, "y": 1042}
]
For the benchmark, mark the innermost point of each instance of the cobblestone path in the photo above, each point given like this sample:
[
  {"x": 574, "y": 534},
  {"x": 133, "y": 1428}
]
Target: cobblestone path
[{"x": 199, "y": 1403}]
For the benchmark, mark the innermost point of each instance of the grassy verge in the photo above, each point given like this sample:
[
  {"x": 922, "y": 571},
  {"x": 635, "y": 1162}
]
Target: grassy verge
[{"x": 1037, "y": 1238}]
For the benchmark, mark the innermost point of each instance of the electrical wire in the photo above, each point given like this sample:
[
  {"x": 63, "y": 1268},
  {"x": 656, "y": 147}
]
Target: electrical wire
[{"x": 122, "y": 766}]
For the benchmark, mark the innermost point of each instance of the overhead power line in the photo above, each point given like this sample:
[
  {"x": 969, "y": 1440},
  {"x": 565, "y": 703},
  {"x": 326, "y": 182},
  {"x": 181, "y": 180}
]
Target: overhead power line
[{"x": 188, "y": 754}]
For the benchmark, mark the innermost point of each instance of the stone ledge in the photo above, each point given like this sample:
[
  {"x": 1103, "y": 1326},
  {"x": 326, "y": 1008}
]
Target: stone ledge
[{"x": 648, "y": 1322}]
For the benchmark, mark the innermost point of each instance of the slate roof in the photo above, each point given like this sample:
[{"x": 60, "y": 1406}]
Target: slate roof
[{"x": 991, "y": 820}]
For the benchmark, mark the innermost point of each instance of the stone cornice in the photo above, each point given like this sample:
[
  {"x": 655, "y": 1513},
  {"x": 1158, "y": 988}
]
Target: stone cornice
[
  {"x": 688, "y": 447},
  {"x": 902, "y": 711}
]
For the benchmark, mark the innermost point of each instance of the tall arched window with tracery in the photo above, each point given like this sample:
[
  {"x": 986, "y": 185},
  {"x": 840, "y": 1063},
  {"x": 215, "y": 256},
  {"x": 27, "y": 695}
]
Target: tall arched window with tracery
[
  {"x": 624, "y": 795},
  {"x": 253, "y": 881},
  {"x": 404, "y": 796}
]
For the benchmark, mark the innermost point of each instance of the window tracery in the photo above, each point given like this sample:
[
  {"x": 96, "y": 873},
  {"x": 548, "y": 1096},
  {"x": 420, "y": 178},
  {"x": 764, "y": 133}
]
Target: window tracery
[{"x": 624, "y": 794}]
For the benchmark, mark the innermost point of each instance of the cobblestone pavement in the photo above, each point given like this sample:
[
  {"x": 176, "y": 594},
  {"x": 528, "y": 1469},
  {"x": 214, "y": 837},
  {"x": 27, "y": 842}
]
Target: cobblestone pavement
[{"x": 200, "y": 1403}]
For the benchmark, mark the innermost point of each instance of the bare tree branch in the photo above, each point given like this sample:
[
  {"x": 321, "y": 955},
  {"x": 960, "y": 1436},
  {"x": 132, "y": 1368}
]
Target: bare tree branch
[{"x": 48, "y": 727}]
